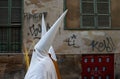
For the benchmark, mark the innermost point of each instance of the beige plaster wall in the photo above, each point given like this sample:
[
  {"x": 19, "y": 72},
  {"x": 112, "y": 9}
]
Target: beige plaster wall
[{"x": 66, "y": 41}]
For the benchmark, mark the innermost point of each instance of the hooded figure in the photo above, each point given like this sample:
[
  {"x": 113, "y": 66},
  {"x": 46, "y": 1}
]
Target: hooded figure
[
  {"x": 42, "y": 65},
  {"x": 51, "y": 50}
]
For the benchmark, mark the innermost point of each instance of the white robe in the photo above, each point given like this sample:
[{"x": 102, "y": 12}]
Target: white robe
[{"x": 41, "y": 67}]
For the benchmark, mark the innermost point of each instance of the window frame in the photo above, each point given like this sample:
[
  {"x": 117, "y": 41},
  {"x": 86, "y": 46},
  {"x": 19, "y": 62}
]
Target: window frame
[
  {"x": 95, "y": 14},
  {"x": 95, "y": 17},
  {"x": 10, "y": 27}
]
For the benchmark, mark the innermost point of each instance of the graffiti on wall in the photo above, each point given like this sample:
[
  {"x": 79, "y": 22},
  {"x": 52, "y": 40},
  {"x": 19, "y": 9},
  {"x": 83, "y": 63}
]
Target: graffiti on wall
[
  {"x": 35, "y": 26},
  {"x": 35, "y": 31},
  {"x": 106, "y": 44},
  {"x": 71, "y": 41},
  {"x": 36, "y": 16}
]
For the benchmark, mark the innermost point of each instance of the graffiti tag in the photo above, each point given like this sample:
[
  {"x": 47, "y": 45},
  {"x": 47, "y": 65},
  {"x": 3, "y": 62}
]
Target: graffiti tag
[
  {"x": 71, "y": 41},
  {"x": 35, "y": 31},
  {"x": 36, "y": 17},
  {"x": 104, "y": 45}
]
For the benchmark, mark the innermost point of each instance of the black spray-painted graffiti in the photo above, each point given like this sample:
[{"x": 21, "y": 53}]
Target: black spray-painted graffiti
[
  {"x": 36, "y": 17},
  {"x": 71, "y": 41},
  {"x": 35, "y": 31},
  {"x": 104, "y": 45}
]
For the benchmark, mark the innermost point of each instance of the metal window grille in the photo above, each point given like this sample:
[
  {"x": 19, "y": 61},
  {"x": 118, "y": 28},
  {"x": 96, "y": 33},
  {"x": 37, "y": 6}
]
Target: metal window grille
[
  {"x": 10, "y": 26},
  {"x": 95, "y": 14}
]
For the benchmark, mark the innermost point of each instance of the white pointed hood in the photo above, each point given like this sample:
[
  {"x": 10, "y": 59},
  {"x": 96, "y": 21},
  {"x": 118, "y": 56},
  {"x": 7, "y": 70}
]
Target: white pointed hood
[
  {"x": 39, "y": 68},
  {"x": 51, "y": 50},
  {"x": 47, "y": 39},
  {"x": 43, "y": 26}
]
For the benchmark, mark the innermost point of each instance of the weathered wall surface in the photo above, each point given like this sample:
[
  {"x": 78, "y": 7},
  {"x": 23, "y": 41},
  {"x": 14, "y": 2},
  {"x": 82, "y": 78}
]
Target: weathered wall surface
[
  {"x": 78, "y": 41},
  {"x": 32, "y": 18},
  {"x": 12, "y": 66},
  {"x": 67, "y": 41}
]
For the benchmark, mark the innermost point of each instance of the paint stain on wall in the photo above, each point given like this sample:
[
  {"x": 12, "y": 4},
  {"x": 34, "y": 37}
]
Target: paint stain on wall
[
  {"x": 46, "y": 0},
  {"x": 34, "y": 11},
  {"x": 38, "y": 3},
  {"x": 27, "y": 3},
  {"x": 34, "y": 1}
]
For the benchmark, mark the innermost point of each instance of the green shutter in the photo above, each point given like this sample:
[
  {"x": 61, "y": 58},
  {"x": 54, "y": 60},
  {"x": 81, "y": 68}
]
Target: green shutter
[{"x": 10, "y": 26}]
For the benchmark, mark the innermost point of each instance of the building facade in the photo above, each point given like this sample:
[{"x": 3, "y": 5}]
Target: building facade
[{"x": 87, "y": 44}]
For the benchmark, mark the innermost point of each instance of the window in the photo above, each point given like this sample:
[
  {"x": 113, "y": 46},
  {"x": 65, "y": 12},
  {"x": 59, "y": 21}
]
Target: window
[
  {"x": 107, "y": 77},
  {"x": 99, "y": 59},
  {"x": 85, "y": 60},
  {"x": 99, "y": 77},
  {"x": 10, "y": 26},
  {"x": 96, "y": 69},
  {"x": 92, "y": 60},
  {"x": 92, "y": 77},
  {"x": 85, "y": 77},
  {"x": 92, "y": 14},
  {"x": 95, "y": 14},
  {"x": 107, "y": 59},
  {"x": 88, "y": 69},
  {"x": 104, "y": 68}
]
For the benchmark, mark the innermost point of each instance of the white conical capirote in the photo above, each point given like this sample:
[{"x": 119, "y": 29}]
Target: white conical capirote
[
  {"x": 47, "y": 39},
  {"x": 43, "y": 26},
  {"x": 51, "y": 50}
]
